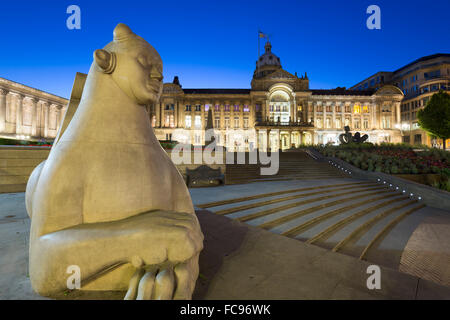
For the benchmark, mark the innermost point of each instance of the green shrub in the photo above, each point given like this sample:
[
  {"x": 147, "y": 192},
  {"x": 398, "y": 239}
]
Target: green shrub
[{"x": 434, "y": 169}]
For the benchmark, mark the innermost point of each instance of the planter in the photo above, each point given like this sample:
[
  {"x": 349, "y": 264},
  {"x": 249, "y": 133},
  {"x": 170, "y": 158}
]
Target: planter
[{"x": 428, "y": 179}]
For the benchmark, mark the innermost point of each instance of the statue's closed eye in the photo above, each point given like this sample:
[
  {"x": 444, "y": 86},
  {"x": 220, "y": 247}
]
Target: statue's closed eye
[{"x": 143, "y": 61}]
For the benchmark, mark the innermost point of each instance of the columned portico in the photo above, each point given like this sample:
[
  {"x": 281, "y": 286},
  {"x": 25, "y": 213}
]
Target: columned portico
[
  {"x": 24, "y": 112},
  {"x": 34, "y": 116},
  {"x": 19, "y": 114},
  {"x": 3, "y": 93}
]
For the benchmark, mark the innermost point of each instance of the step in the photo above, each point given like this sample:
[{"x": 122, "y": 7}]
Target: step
[
  {"x": 285, "y": 224},
  {"x": 302, "y": 194},
  {"x": 5, "y": 163},
  {"x": 6, "y": 153},
  {"x": 14, "y": 171},
  {"x": 4, "y": 180},
  {"x": 325, "y": 200}
]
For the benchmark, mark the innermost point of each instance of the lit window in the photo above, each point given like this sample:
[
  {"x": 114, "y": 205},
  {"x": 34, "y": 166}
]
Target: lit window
[
  {"x": 187, "y": 121},
  {"x": 366, "y": 109},
  {"x": 386, "y": 122},
  {"x": 347, "y": 122},
  {"x": 338, "y": 123},
  {"x": 206, "y": 107},
  {"x": 246, "y": 108},
  {"x": 357, "y": 108},
  {"x": 198, "y": 122},
  {"x": 319, "y": 123},
  {"x": 366, "y": 124}
]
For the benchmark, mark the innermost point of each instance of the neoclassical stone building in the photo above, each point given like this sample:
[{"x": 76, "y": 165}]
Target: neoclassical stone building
[
  {"x": 281, "y": 104},
  {"x": 28, "y": 113},
  {"x": 278, "y": 111}
]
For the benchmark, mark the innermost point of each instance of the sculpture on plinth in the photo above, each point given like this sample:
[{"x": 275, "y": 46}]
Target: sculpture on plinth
[
  {"x": 108, "y": 199},
  {"x": 347, "y": 137}
]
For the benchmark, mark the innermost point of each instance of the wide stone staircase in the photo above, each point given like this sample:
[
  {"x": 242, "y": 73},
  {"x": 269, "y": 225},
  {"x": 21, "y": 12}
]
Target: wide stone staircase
[
  {"x": 364, "y": 219},
  {"x": 16, "y": 165},
  {"x": 292, "y": 166}
]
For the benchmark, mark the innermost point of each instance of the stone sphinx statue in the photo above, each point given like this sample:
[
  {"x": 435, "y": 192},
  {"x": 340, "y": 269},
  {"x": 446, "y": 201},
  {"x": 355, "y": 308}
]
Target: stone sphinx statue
[{"x": 108, "y": 199}]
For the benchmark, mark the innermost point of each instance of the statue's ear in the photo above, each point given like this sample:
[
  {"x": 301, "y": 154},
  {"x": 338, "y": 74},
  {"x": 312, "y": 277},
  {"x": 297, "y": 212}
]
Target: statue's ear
[{"x": 105, "y": 60}]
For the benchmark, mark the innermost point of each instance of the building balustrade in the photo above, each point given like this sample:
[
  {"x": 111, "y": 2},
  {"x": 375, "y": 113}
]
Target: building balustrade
[{"x": 283, "y": 124}]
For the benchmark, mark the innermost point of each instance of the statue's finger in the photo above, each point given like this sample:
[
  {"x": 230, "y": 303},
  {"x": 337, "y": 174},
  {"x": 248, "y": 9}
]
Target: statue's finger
[
  {"x": 164, "y": 284},
  {"x": 184, "y": 288},
  {"x": 133, "y": 286},
  {"x": 146, "y": 285}
]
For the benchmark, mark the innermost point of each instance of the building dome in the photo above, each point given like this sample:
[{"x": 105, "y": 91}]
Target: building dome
[{"x": 267, "y": 62}]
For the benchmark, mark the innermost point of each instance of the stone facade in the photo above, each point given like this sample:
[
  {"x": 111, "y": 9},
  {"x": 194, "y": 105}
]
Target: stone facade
[
  {"x": 28, "y": 113},
  {"x": 278, "y": 111},
  {"x": 280, "y": 107},
  {"x": 418, "y": 80}
]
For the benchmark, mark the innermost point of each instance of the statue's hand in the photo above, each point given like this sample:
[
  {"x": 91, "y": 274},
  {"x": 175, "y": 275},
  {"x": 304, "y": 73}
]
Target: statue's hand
[
  {"x": 166, "y": 237},
  {"x": 164, "y": 283},
  {"x": 175, "y": 277}
]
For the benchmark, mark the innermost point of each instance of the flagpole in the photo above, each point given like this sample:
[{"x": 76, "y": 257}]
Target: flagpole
[{"x": 257, "y": 59}]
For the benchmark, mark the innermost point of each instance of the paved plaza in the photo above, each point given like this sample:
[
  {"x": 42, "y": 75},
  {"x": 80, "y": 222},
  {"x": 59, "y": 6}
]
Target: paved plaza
[{"x": 290, "y": 239}]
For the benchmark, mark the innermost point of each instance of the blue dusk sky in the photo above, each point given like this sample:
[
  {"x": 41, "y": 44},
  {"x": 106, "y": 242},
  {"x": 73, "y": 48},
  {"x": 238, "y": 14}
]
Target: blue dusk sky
[{"x": 214, "y": 44}]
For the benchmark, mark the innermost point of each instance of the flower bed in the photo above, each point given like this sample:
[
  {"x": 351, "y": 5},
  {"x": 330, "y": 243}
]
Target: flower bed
[
  {"x": 395, "y": 159},
  {"x": 14, "y": 142}
]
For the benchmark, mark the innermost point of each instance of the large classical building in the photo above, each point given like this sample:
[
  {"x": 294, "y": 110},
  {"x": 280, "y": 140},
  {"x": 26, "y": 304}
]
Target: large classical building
[
  {"x": 278, "y": 111},
  {"x": 281, "y": 108},
  {"x": 418, "y": 80}
]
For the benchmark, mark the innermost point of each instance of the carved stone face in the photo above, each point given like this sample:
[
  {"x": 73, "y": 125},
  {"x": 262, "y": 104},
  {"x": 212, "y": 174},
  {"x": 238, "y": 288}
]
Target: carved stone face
[
  {"x": 139, "y": 74},
  {"x": 134, "y": 64}
]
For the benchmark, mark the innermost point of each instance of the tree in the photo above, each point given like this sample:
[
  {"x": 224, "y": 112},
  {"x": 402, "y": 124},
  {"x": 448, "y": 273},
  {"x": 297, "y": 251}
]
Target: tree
[{"x": 435, "y": 117}]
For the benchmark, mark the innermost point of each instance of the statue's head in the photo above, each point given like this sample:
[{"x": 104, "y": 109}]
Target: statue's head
[{"x": 134, "y": 65}]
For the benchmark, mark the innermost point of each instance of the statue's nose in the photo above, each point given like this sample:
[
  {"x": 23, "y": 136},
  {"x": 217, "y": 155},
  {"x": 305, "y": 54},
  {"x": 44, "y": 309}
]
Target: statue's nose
[{"x": 155, "y": 74}]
